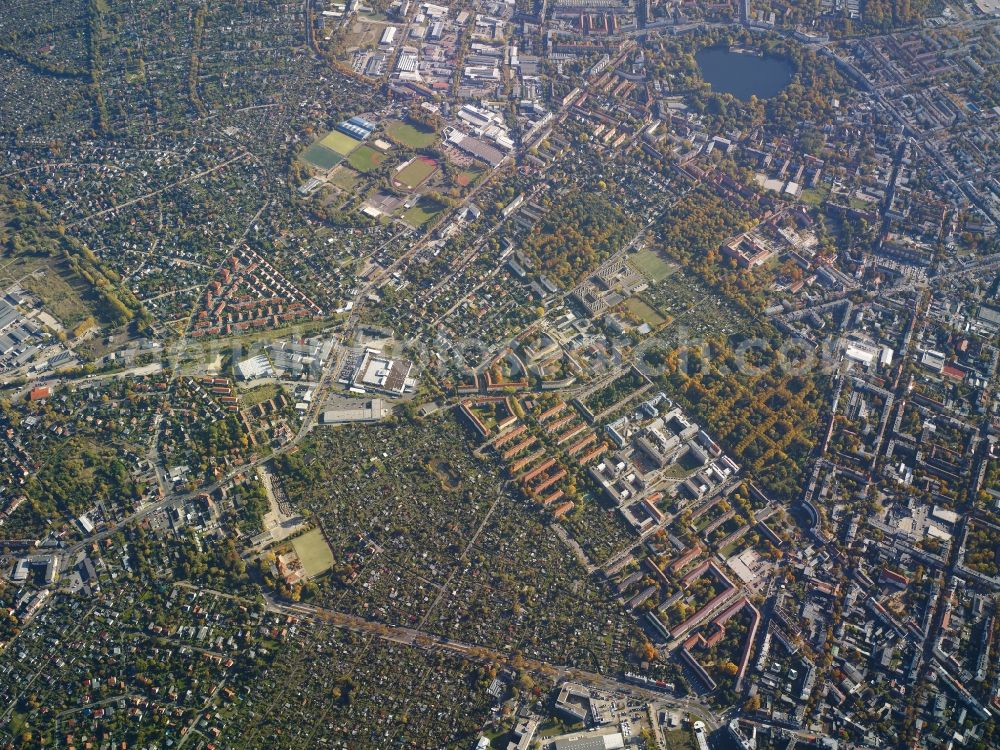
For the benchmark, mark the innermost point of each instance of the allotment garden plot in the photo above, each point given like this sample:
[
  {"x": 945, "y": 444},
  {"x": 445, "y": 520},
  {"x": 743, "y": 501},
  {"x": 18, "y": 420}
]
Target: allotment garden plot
[
  {"x": 426, "y": 534},
  {"x": 322, "y": 681}
]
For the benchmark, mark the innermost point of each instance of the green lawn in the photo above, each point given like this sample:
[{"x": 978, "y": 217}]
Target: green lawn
[
  {"x": 676, "y": 471},
  {"x": 409, "y": 135},
  {"x": 679, "y": 739},
  {"x": 314, "y": 552},
  {"x": 340, "y": 143},
  {"x": 554, "y": 727},
  {"x": 499, "y": 739},
  {"x": 814, "y": 196},
  {"x": 416, "y": 172},
  {"x": 644, "y": 312},
  {"x": 365, "y": 159},
  {"x": 652, "y": 264},
  {"x": 321, "y": 157},
  {"x": 260, "y": 394},
  {"x": 423, "y": 212},
  {"x": 344, "y": 178}
]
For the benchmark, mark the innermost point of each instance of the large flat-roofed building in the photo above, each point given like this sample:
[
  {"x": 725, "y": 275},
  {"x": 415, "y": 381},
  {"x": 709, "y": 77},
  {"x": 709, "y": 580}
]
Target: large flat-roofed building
[
  {"x": 407, "y": 63},
  {"x": 361, "y": 122},
  {"x": 524, "y": 734},
  {"x": 255, "y": 368},
  {"x": 382, "y": 374},
  {"x": 590, "y": 741},
  {"x": 700, "y": 736},
  {"x": 301, "y": 357},
  {"x": 364, "y": 411},
  {"x": 20, "y": 572},
  {"x": 476, "y": 147},
  {"x": 8, "y": 314},
  {"x": 573, "y": 702},
  {"x": 358, "y": 132}
]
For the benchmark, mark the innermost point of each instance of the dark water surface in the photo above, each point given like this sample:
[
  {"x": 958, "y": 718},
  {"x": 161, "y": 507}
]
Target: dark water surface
[{"x": 743, "y": 75}]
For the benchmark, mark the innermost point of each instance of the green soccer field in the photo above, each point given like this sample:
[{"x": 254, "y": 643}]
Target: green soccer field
[
  {"x": 652, "y": 264},
  {"x": 644, "y": 312},
  {"x": 416, "y": 172},
  {"x": 338, "y": 142},
  {"x": 314, "y": 552},
  {"x": 365, "y": 159},
  {"x": 423, "y": 212},
  {"x": 321, "y": 157},
  {"x": 410, "y": 136}
]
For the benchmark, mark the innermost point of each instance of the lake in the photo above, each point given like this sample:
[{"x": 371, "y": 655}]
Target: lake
[{"x": 743, "y": 75}]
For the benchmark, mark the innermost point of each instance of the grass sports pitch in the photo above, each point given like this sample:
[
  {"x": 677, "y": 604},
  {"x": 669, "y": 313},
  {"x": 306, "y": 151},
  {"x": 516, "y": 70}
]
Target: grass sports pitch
[
  {"x": 365, "y": 159},
  {"x": 416, "y": 172},
  {"x": 339, "y": 143},
  {"x": 652, "y": 264},
  {"x": 410, "y": 136},
  {"x": 314, "y": 552},
  {"x": 321, "y": 157}
]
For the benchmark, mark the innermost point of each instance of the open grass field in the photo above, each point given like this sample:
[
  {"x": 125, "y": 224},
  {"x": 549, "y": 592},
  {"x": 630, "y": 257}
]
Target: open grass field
[
  {"x": 344, "y": 178},
  {"x": 321, "y": 157},
  {"x": 339, "y": 143},
  {"x": 423, "y": 212},
  {"x": 644, "y": 312},
  {"x": 362, "y": 35},
  {"x": 314, "y": 552},
  {"x": 652, "y": 264},
  {"x": 415, "y": 172},
  {"x": 679, "y": 739},
  {"x": 409, "y": 135},
  {"x": 65, "y": 296},
  {"x": 260, "y": 394},
  {"x": 365, "y": 159},
  {"x": 814, "y": 196}
]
